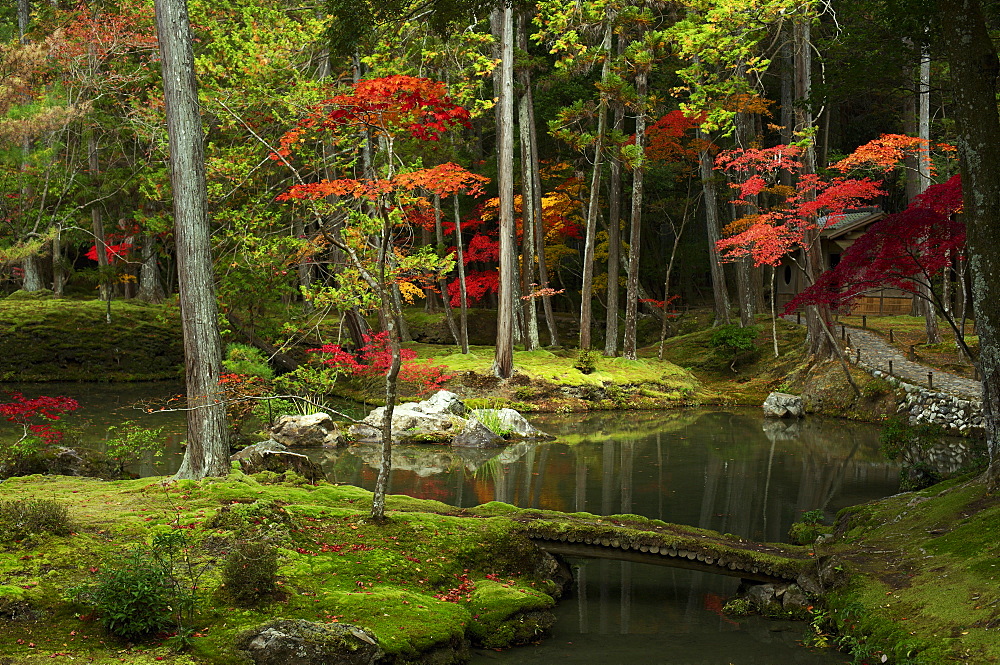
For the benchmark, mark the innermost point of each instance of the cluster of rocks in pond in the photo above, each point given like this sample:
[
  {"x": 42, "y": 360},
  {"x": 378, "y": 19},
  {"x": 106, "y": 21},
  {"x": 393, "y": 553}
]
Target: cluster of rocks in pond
[
  {"x": 444, "y": 418},
  {"x": 310, "y": 430}
]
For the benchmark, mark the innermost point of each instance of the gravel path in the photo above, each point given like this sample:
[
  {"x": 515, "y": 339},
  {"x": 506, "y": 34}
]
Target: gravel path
[{"x": 877, "y": 353}]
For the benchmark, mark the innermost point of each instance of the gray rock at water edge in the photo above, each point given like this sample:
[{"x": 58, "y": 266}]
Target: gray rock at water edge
[
  {"x": 314, "y": 429},
  {"x": 434, "y": 419},
  {"x": 301, "y": 642},
  {"x": 273, "y": 456},
  {"x": 513, "y": 422},
  {"x": 783, "y": 405},
  {"x": 477, "y": 435}
]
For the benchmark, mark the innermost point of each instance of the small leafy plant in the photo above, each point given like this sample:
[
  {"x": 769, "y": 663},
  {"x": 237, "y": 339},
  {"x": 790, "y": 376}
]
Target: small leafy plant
[
  {"x": 132, "y": 596},
  {"x": 247, "y": 360},
  {"x": 129, "y": 442}
]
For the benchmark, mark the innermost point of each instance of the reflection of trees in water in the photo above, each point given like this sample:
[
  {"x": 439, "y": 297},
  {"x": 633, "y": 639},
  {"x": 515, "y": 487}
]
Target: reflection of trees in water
[{"x": 732, "y": 472}]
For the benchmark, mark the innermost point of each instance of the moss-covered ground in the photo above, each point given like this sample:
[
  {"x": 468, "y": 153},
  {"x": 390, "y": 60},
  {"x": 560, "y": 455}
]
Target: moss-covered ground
[
  {"x": 427, "y": 578},
  {"x": 43, "y": 338},
  {"x": 924, "y": 570}
]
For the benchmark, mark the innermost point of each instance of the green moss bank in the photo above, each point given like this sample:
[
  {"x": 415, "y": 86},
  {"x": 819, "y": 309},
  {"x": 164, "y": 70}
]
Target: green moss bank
[
  {"x": 43, "y": 338},
  {"x": 425, "y": 582},
  {"x": 922, "y": 573}
]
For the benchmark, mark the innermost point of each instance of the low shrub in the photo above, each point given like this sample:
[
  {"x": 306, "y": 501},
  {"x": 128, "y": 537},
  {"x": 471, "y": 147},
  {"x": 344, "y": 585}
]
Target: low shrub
[
  {"x": 132, "y": 597},
  {"x": 734, "y": 344},
  {"x": 586, "y": 362},
  {"x": 25, "y": 519},
  {"x": 249, "y": 573}
]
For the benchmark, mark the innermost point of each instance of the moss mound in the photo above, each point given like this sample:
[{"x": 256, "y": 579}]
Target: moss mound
[
  {"x": 428, "y": 579},
  {"x": 43, "y": 338},
  {"x": 925, "y": 576}
]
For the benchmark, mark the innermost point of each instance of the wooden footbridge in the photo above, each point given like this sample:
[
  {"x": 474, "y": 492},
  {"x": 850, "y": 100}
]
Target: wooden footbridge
[{"x": 635, "y": 538}]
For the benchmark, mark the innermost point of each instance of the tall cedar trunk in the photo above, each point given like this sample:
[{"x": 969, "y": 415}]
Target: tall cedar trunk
[
  {"x": 150, "y": 284},
  {"x": 441, "y": 283},
  {"x": 587, "y": 290},
  {"x": 460, "y": 260},
  {"x": 614, "y": 232},
  {"x": 924, "y": 176},
  {"x": 719, "y": 291},
  {"x": 503, "y": 363},
  {"x": 816, "y": 338},
  {"x": 974, "y": 68},
  {"x": 635, "y": 226},
  {"x": 207, "y": 452},
  {"x": 524, "y": 119},
  {"x": 614, "y": 249}
]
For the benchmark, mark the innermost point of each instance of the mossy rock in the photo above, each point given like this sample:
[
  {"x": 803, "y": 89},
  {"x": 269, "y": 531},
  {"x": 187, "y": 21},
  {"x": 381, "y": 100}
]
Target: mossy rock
[{"x": 301, "y": 642}]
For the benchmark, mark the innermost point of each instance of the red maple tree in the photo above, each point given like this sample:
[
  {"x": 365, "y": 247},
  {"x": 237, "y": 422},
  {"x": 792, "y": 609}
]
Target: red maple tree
[{"x": 902, "y": 251}]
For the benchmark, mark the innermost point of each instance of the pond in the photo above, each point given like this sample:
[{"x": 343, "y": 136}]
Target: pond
[{"x": 724, "y": 469}]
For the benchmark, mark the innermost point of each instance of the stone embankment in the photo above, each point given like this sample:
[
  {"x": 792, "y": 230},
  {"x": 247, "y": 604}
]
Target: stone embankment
[{"x": 933, "y": 396}]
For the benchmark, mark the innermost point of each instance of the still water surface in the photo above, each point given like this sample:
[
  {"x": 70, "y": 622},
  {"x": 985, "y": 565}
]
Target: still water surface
[{"x": 727, "y": 470}]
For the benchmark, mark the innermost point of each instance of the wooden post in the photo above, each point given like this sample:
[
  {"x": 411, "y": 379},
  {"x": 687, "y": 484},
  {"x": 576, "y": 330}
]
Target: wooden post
[
  {"x": 864, "y": 321},
  {"x": 848, "y": 340},
  {"x": 858, "y": 358},
  {"x": 891, "y": 339},
  {"x": 930, "y": 379},
  {"x": 843, "y": 331},
  {"x": 890, "y": 368},
  {"x": 798, "y": 318}
]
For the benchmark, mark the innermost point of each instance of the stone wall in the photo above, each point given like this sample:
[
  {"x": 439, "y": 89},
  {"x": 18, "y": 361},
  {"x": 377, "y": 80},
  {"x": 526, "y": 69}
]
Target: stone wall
[{"x": 958, "y": 415}]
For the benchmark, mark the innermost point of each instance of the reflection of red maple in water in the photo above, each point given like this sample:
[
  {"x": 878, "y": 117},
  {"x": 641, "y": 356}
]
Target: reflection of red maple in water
[{"x": 714, "y": 604}]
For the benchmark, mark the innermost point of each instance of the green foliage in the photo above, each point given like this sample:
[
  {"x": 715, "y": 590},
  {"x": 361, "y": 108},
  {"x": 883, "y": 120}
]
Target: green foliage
[
  {"x": 735, "y": 344},
  {"x": 311, "y": 384},
  {"x": 129, "y": 442},
  {"x": 249, "y": 573},
  {"x": 248, "y": 360},
  {"x": 25, "y": 519},
  {"x": 898, "y": 435},
  {"x": 586, "y": 362},
  {"x": 132, "y": 595},
  {"x": 813, "y": 517},
  {"x": 490, "y": 417}
]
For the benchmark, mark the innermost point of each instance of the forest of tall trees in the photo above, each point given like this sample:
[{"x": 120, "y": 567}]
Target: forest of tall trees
[{"x": 602, "y": 161}]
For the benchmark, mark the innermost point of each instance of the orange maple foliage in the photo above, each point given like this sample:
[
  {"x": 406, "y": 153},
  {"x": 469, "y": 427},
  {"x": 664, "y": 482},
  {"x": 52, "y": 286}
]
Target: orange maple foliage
[
  {"x": 386, "y": 105},
  {"x": 887, "y": 151}
]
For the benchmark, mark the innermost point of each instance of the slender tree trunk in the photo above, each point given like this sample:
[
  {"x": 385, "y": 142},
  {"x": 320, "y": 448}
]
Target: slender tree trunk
[
  {"x": 391, "y": 377},
  {"x": 972, "y": 59},
  {"x": 635, "y": 228},
  {"x": 462, "y": 300},
  {"x": 503, "y": 363},
  {"x": 58, "y": 263},
  {"x": 97, "y": 219},
  {"x": 678, "y": 231},
  {"x": 587, "y": 290},
  {"x": 536, "y": 176},
  {"x": 745, "y": 298},
  {"x": 207, "y": 452},
  {"x": 441, "y": 282},
  {"x": 719, "y": 291}
]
